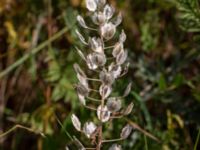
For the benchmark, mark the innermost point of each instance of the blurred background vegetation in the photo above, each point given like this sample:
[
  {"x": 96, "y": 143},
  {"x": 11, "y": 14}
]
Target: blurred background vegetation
[{"x": 37, "y": 93}]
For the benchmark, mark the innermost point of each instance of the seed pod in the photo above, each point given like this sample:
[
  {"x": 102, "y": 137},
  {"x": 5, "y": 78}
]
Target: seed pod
[
  {"x": 81, "y": 21},
  {"x": 78, "y": 144},
  {"x": 107, "y": 78},
  {"x": 81, "y": 75},
  {"x": 103, "y": 114},
  {"x": 126, "y": 131},
  {"x": 99, "y": 18},
  {"x": 80, "y": 36},
  {"x": 101, "y": 3},
  {"x": 115, "y": 147},
  {"x": 91, "y": 5},
  {"x": 82, "y": 90},
  {"x": 108, "y": 11},
  {"x": 128, "y": 110},
  {"x": 125, "y": 70},
  {"x": 118, "y": 48},
  {"x": 66, "y": 148},
  {"x": 96, "y": 44},
  {"x": 115, "y": 70},
  {"x": 122, "y": 37},
  {"x": 118, "y": 20},
  {"x": 127, "y": 90},
  {"x": 95, "y": 59},
  {"x": 76, "y": 122},
  {"x": 80, "y": 54},
  {"x": 121, "y": 57},
  {"x": 108, "y": 31},
  {"x": 89, "y": 128},
  {"x": 113, "y": 104},
  {"x": 105, "y": 91}
]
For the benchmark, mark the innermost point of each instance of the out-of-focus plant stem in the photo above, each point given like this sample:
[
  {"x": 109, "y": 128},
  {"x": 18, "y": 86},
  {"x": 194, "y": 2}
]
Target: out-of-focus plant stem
[{"x": 33, "y": 52}]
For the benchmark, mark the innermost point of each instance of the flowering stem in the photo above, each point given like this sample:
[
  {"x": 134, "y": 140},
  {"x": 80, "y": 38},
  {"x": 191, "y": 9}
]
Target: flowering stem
[{"x": 113, "y": 140}]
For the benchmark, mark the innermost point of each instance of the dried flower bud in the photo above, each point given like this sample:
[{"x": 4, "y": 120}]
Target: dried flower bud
[
  {"x": 103, "y": 114},
  {"x": 108, "y": 11},
  {"x": 80, "y": 36},
  {"x": 118, "y": 48},
  {"x": 108, "y": 31},
  {"x": 91, "y": 5},
  {"x": 79, "y": 144},
  {"x": 118, "y": 20},
  {"x": 114, "y": 104},
  {"x": 105, "y": 91},
  {"x": 121, "y": 57},
  {"x": 89, "y": 128},
  {"x": 106, "y": 77},
  {"x": 128, "y": 110},
  {"x": 96, "y": 44},
  {"x": 122, "y": 37},
  {"x": 126, "y": 131},
  {"x": 76, "y": 122},
  {"x": 81, "y": 21},
  {"x": 115, "y": 147},
  {"x": 127, "y": 90}
]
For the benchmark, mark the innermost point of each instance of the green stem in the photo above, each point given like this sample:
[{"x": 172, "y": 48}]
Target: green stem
[
  {"x": 33, "y": 52},
  {"x": 197, "y": 140}
]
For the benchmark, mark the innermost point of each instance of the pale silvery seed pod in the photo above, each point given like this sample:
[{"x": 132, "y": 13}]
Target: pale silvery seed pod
[
  {"x": 81, "y": 54},
  {"x": 127, "y": 90},
  {"x": 94, "y": 60},
  {"x": 121, "y": 57},
  {"x": 122, "y": 37},
  {"x": 115, "y": 147},
  {"x": 108, "y": 11},
  {"x": 91, "y": 5},
  {"x": 89, "y": 128},
  {"x": 99, "y": 18},
  {"x": 80, "y": 36},
  {"x": 114, "y": 104},
  {"x": 118, "y": 48},
  {"x": 128, "y": 109},
  {"x": 126, "y": 131},
  {"x": 76, "y": 122},
  {"x": 101, "y": 3},
  {"x": 66, "y": 148},
  {"x": 82, "y": 90},
  {"x": 105, "y": 91},
  {"x": 103, "y": 114},
  {"x": 118, "y": 20},
  {"x": 115, "y": 70},
  {"x": 81, "y": 21},
  {"x": 96, "y": 44},
  {"x": 106, "y": 77},
  {"x": 108, "y": 30}
]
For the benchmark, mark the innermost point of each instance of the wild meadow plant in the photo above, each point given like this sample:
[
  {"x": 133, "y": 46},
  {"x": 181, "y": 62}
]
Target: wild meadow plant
[{"x": 105, "y": 58}]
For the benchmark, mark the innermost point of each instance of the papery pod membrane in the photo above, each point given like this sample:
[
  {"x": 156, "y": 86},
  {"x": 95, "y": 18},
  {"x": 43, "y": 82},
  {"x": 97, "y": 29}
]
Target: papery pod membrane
[
  {"x": 82, "y": 90},
  {"x": 81, "y": 21},
  {"x": 99, "y": 18},
  {"x": 122, "y": 37},
  {"x": 118, "y": 48},
  {"x": 76, "y": 123},
  {"x": 81, "y": 54},
  {"x": 115, "y": 147},
  {"x": 127, "y": 90},
  {"x": 108, "y": 11},
  {"x": 82, "y": 99},
  {"x": 105, "y": 91},
  {"x": 106, "y": 78},
  {"x": 89, "y": 128},
  {"x": 118, "y": 20},
  {"x": 66, "y": 148},
  {"x": 81, "y": 75},
  {"x": 114, "y": 104},
  {"x": 96, "y": 44},
  {"x": 121, "y": 57},
  {"x": 108, "y": 31},
  {"x": 78, "y": 144},
  {"x": 94, "y": 60},
  {"x": 128, "y": 109},
  {"x": 115, "y": 70},
  {"x": 91, "y": 5},
  {"x": 80, "y": 36},
  {"x": 126, "y": 131},
  {"x": 103, "y": 114}
]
